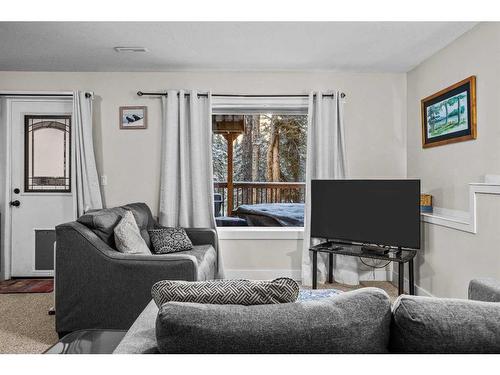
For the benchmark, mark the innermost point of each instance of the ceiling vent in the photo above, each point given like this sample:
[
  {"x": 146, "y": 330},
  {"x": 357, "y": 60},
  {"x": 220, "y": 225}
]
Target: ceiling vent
[{"x": 131, "y": 49}]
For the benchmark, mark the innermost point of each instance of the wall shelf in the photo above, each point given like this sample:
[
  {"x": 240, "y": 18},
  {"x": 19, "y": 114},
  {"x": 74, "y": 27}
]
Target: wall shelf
[{"x": 465, "y": 221}]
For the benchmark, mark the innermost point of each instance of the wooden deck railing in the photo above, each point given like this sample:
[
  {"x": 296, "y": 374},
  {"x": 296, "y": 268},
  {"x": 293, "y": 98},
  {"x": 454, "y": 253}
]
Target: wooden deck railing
[{"x": 259, "y": 192}]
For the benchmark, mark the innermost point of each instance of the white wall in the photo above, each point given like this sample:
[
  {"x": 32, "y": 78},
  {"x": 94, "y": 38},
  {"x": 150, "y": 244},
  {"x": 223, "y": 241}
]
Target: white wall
[
  {"x": 450, "y": 258},
  {"x": 446, "y": 170},
  {"x": 266, "y": 253},
  {"x": 263, "y": 254},
  {"x": 375, "y": 115}
]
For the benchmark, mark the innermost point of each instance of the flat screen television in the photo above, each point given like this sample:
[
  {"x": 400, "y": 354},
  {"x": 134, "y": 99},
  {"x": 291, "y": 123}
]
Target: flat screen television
[{"x": 376, "y": 212}]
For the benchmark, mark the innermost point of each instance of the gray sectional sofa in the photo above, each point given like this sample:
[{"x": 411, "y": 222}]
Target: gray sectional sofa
[
  {"x": 104, "y": 298},
  {"x": 98, "y": 287},
  {"x": 356, "y": 321},
  {"x": 361, "y": 321}
]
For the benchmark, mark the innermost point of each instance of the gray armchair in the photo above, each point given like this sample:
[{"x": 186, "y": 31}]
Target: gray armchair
[{"x": 98, "y": 287}]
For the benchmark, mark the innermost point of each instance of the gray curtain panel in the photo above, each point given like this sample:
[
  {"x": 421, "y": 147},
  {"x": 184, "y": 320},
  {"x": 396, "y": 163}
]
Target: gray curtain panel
[
  {"x": 86, "y": 189},
  {"x": 186, "y": 184},
  {"x": 326, "y": 159}
]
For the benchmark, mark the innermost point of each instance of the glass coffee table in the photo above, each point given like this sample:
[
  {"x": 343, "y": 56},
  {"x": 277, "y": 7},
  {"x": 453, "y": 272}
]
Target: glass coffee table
[{"x": 400, "y": 256}]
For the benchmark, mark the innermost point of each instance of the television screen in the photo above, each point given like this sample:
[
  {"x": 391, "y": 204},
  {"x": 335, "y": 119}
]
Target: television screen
[{"x": 380, "y": 212}]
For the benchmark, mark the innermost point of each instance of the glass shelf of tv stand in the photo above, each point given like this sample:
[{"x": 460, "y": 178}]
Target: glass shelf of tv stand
[{"x": 345, "y": 248}]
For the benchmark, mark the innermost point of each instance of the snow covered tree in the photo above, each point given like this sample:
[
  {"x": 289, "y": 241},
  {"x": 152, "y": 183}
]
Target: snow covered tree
[{"x": 271, "y": 148}]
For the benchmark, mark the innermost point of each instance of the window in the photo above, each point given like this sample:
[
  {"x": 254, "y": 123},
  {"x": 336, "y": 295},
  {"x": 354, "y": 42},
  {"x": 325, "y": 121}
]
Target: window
[
  {"x": 47, "y": 150},
  {"x": 259, "y": 164}
]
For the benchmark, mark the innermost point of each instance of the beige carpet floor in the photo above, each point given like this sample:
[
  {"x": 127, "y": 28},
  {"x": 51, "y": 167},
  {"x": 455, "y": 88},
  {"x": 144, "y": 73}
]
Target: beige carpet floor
[{"x": 25, "y": 326}]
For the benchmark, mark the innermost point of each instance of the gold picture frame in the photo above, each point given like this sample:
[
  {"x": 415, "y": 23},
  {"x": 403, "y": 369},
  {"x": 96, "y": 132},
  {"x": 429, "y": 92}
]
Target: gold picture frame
[{"x": 449, "y": 116}]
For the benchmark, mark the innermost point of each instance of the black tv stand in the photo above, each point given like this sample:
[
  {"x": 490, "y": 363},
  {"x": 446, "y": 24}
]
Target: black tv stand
[{"x": 396, "y": 255}]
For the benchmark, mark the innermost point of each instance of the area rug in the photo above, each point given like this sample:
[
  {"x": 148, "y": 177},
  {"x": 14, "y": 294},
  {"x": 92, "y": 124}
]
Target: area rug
[
  {"x": 316, "y": 294},
  {"x": 27, "y": 286}
]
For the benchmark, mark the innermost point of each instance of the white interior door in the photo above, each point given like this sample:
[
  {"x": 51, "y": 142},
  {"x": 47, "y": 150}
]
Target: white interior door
[{"x": 40, "y": 195}]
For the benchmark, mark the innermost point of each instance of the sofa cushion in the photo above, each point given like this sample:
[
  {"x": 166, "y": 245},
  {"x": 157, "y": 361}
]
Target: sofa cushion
[
  {"x": 169, "y": 240},
  {"x": 141, "y": 337},
  {"x": 484, "y": 289},
  {"x": 444, "y": 325},
  {"x": 103, "y": 222},
  {"x": 352, "y": 322},
  {"x": 224, "y": 292},
  {"x": 205, "y": 259},
  {"x": 128, "y": 238},
  {"x": 144, "y": 219}
]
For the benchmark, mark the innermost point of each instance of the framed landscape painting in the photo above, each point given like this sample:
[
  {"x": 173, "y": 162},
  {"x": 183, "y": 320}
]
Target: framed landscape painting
[
  {"x": 134, "y": 117},
  {"x": 450, "y": 115}
]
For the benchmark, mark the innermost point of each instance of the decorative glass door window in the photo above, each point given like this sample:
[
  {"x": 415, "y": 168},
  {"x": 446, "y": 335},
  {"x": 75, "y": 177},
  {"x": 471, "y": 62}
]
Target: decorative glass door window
[{"x": 47, "y": 150}]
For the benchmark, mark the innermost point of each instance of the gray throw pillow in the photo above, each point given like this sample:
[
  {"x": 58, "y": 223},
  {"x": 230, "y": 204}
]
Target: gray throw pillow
[
  {"x": 128, "y": 238},
  {"x": 445, "y": 325},
  {"x": 169, "y": 240},
  {"x": 223, "y": 292},
  {"x": 351, "y": 322}
]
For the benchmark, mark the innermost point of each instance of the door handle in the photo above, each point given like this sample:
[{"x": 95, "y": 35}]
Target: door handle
[{"x": 15, "y": 203}]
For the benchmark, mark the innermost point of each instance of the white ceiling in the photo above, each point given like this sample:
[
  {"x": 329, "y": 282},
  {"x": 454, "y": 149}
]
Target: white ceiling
[{"x": 350, "y": 46}]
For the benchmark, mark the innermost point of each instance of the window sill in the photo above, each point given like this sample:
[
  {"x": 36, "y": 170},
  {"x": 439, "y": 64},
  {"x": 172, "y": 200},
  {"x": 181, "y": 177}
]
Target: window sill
[{"x": 260, "y": 233}]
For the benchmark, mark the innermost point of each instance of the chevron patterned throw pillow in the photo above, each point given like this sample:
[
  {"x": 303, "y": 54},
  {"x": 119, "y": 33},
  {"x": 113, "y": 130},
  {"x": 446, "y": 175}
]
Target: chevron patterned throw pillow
[
  {"x": 224, "y": 292},
  {"x": 166, "y": 240}
]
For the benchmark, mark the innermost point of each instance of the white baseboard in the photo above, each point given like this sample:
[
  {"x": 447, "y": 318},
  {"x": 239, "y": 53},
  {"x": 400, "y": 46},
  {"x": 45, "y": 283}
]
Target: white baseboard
[
  {"x": 419, "y": 291},
  {"x": 256, "y": 274}
]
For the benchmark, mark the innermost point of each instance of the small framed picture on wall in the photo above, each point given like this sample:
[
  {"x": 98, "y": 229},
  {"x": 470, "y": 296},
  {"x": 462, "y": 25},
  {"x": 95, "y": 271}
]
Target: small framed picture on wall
[
  {"x": 449, "y": 115},
  {"x": 134, "y": 117}
]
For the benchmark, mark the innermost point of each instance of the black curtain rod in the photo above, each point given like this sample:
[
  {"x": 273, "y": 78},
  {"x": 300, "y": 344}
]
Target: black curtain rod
[
  {"x": 87, "y": 95},
  {"x": 14, "y": 94},
  {"x": 140, "y": 93}
]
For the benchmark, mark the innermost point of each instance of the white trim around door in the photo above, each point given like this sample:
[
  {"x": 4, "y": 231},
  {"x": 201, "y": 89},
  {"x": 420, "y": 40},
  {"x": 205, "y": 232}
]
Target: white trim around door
[{"x": 6, "y": 98}]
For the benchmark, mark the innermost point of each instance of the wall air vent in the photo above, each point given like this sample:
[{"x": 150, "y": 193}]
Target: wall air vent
[{"x": 131, "y": 49}]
